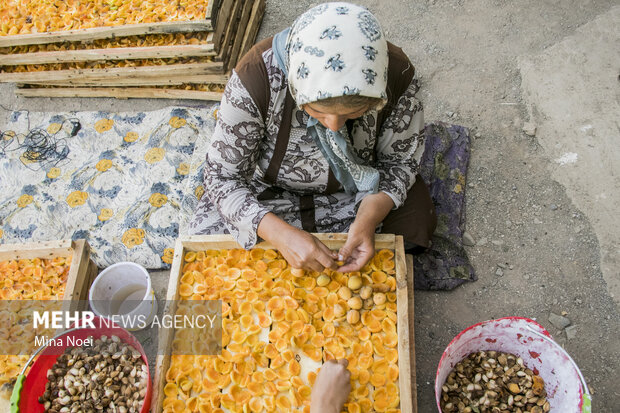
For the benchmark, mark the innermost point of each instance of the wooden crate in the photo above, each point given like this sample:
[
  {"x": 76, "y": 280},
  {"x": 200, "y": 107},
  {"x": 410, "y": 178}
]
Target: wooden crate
[
  {"x": 82, "y": 272},
  {"x": 228, "y": 45},
  {"x": 404, "y": 294},
  {"x": 96, "y": 33}
]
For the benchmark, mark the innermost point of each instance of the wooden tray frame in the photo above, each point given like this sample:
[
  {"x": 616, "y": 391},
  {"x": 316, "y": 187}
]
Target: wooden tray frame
[
  {"x": 81, "y": 273},
  {"x": 96, "y": 33},
  {"x": 404, "y": 303},
  {"x": 118, "y": 82}
]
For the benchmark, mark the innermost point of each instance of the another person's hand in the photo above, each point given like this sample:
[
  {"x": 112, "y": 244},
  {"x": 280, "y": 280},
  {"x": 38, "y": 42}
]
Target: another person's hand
[
  {"x": 358, "y": 249},
  {"x": 331, "y": 388},
  {"x": 299, "y": 248}
]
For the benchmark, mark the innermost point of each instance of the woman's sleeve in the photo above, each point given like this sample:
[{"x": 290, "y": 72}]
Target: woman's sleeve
[
  {"x": 231, "y": 161},
  {"x": 400, "y": 146}
]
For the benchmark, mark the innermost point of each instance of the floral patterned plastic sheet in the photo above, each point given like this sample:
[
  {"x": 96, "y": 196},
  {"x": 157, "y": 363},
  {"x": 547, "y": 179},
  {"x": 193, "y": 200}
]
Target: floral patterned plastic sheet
[{"x": 128, "y": 183}]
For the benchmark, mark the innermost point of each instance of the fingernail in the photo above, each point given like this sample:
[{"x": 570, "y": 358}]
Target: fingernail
[{"x": 339, "y": 257}]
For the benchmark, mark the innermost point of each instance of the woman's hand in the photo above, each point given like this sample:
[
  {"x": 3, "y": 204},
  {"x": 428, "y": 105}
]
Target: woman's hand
[
  {"x": 358, "y": 249},
  {"x": 331, "y": 388},
  {"x": 299, "y": 248},
  {"x": 360, "y": 245}
]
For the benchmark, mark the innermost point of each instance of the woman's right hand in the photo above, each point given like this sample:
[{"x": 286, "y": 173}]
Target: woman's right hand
[{"x": 299, "y": 248}]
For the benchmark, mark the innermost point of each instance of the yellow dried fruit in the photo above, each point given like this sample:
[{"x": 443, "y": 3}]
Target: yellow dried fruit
[
  {"x": 344, "y": 293},
  {"x": 354, "y": 283},
  {"x": 366, "y": 292},
  {"x": 353, "y": 317},
  {"x": 379, "y": 298},
  {"x": 355, "y": 303},
  {"x": 322, "y": 280}
]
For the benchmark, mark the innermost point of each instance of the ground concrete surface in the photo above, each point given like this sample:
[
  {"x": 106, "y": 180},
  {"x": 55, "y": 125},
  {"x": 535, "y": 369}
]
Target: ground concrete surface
[{"x": 541, "y": 207}]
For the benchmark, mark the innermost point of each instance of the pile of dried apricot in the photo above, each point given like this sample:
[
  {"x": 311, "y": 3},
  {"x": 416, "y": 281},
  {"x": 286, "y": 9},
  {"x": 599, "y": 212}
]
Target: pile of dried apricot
[
  {"x": 38, "y": 16},
  {"x": 279, "y": 325}
]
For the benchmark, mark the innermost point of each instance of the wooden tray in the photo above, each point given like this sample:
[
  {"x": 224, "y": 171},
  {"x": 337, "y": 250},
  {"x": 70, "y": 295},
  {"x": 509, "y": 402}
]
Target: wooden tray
[
  {"x": 227, "y": 48},
  {"x": 81, "y": 273},
  {"x": 404, "y": 282},
  {"x": 96, "y": 33}
]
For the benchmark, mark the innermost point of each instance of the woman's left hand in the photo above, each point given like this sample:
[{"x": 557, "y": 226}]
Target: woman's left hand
[{"x": 358, "y": 249}]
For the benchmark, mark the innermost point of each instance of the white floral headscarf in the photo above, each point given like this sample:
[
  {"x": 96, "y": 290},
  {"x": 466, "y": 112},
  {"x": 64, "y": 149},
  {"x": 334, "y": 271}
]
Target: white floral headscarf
[{"x": 336, "y": 49}]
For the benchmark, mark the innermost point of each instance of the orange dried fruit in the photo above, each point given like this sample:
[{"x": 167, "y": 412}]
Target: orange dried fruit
[
  {"x": 264, "y": 320},
  {"x": 283, "y": 403},
  {"x": 328, "y": 330},
  {"x": 311, "y": 377},
  {"x": 277, "y": 362},
  {"x": 392, "y": 374},
  {"x": 377, "y": 380},
  {"x": 283, "y": 385},
  {"x": 392, "y": 390},
  {"x": 304, "y": 391},
  {"x": 364, "y": 362},
  {"x": 391, "y": 355},
  {"x": 239, "y": 395},
  {"x": 365, "y": 405},
  {"x": 363, "y": 334},
  {"x": 256, "y": 404},
  {"x": 246, "y": 320},
  {"x": 239, "y": 336},
  {"x": 245, "y": 307},
  {"x": 275, "y": 303},
  {"x": 364, "y": 376},
  {"x": 278, "y": 315},
  {"x": 321, "y": 292},
  {"x": 353, "y": 408},
  {"x": 294, "y": 368},
  {"x": 391, "y": 339},
  {"x": 313, "y": 352}
]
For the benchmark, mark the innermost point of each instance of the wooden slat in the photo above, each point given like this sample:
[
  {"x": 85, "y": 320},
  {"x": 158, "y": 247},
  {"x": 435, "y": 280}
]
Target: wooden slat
[
  {"x": 116, "y": 53},
  {"x": 37, "y": 249},
  {"x": 402, "y": 313},
  {"x": 223, "y": 19},
  {"x": 411, "y": 314},
  {"x": 166, "y": 335},
  {"x": 120, "y": 93},
  {"x": 231, "y": 30},
  {"x": 97, "y": 33},
  {"x": 255, "y": 21},
  {"x": 81, "y": 271},
  {"x": 331, "y": 240},
  {"x": 243, "y": 24},
  {"x": 154, "y": 81},
  {"x": 116, "y": 72}
]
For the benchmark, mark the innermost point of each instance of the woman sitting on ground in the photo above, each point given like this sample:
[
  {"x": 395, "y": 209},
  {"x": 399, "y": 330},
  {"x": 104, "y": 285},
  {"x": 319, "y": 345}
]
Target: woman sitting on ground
[{"x": 319, "y": 130}]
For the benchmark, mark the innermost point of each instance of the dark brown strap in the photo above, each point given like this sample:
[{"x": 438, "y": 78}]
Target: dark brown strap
[
  {"x": 281, "y": 141},
  {"x": 306, "y": 212}
]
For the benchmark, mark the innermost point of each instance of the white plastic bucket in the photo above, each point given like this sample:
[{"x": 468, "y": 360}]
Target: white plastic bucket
[
  {"x": 123, "y": 293},
  {"x": 566, "y": 389}
]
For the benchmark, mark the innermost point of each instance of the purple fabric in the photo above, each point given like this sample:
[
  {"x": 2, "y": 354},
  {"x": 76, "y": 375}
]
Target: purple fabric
[{"x": 444, "y": 168}]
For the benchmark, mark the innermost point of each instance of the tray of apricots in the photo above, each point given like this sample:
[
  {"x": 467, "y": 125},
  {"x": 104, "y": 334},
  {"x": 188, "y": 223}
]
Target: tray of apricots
[
  {"x": 31, "y": 273},
  {"x": 280, "y": 324}
]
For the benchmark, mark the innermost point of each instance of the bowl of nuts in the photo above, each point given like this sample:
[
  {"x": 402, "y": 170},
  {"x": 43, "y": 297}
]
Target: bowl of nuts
[
  {"x": 88, "y": 370},
  {"x": 510, "y": 364}
]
